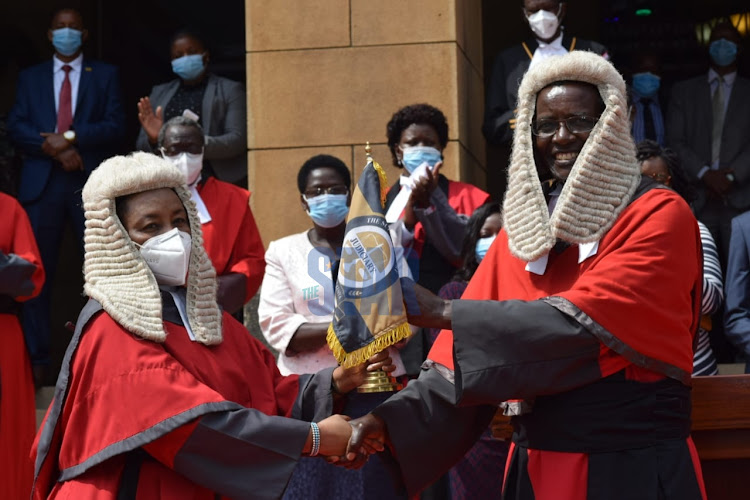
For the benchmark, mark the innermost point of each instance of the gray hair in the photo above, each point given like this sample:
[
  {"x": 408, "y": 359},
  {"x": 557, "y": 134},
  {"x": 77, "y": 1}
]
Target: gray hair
[{"x": 180, "y": 121}]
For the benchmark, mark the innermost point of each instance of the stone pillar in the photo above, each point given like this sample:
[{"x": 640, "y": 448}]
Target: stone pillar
[{"x": 326, "y": 76}]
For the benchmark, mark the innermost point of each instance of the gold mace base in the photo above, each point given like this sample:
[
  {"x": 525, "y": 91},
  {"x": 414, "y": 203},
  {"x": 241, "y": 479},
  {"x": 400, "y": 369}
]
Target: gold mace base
[{"x": 379, "y": 381}]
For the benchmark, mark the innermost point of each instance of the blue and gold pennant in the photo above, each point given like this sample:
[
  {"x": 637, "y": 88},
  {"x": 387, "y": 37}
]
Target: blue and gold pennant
[{"x": 369, "y": 315}]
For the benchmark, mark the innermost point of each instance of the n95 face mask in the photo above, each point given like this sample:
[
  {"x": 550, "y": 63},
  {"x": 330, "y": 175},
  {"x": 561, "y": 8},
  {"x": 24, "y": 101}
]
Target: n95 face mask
[{"x": 168, "y": 256}]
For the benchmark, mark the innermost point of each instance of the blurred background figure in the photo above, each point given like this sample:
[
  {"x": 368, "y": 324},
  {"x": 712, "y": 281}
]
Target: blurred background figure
[
  {"x": 663, "y": 166},
  {"x": 737, "y": 312},
  {"x": 645, "y": 84},
  {"x": 230, "y": 235},
  {"x": 67, "y": 118},
  {"x": 21, "y": 277},
  {"x": 296, "y": 308},
  {"x": 708, "y": 124},
  {"x": 544, "y": 18},
  {"x": 475, "y": 476},
  {"x": 217, "y": 103}
]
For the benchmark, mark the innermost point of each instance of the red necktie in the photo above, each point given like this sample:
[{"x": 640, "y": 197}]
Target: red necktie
[{"x": 65, "y": 105}]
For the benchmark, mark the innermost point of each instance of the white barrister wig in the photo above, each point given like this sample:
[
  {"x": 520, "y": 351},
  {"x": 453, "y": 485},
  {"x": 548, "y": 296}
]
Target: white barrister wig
[
  {"x": 115, "y": 273},
  {"x": 602, "y": 180}
]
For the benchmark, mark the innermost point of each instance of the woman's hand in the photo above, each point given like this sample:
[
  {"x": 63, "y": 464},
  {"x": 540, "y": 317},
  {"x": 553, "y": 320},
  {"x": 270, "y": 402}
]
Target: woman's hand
[
  {"x": 346, "y": 379},
  {"x": 334, "y": 436},
  {"x": 150, "y": 121},
  {"x": 425, "y": 185}
]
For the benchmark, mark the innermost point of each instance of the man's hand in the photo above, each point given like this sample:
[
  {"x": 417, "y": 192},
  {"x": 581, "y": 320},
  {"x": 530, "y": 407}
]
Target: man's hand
[
  {"x": 424, "y": 308},
  {"x": 368, "y": 437},
  {"x": 425, "y": 185},
  {"x": 150, "y": 121},
  {"x": 346, "y": 379},
  {"x": 54, "y": 144},
  {"x": 718, "y": 181},
  {"x": 70, "y": 159}
]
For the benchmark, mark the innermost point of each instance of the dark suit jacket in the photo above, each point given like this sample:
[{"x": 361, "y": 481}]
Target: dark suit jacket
[
  {"x": 98, "y": 122},
  {"x": 502, "y": 91},
  {"x": 689, "y": 122},
  {"x": 223, "y": 118},
  {"x": 737, "y": 286}
]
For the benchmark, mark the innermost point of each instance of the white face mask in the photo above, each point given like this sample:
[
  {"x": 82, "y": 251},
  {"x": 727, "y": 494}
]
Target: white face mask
[
  {"x": 190, "y": 164},
  {"x": 544, "y": 23},
  {"x": 168, "y": 256}
]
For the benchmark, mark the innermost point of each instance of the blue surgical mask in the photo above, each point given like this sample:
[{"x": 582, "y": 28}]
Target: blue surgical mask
[
  {"x": 188, "y": 67},
  {"x": 327, "y": 210},
  {"x": 414, "y": 156},
  {"x": 723, "y": 52},
  {"x": 646, "y": 84},
  {"x": 67, "y": 41},
  {"x": 483, "y": 244}
]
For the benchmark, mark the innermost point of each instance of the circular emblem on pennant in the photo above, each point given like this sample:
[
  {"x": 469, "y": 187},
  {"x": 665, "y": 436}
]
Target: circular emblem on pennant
[{"x": 366, "y": 258}]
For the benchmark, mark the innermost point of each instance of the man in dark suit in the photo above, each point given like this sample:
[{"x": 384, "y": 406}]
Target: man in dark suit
[
  {"x": 544, "y": 18},
  {"x": 737, "y": 288},
  {"x": 708, "y": 124},
  {"x": 67, "y": 118},
  {"x": 646, "y": 109}
]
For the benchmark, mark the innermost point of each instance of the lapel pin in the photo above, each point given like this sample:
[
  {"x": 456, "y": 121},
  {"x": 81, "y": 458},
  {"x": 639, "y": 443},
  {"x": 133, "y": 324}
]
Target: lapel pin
[{"x": 87, "y": 68}]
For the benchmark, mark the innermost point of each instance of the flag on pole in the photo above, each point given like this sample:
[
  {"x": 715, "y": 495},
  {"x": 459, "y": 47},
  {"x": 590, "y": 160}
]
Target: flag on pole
[{"x": 369, "y": 315}]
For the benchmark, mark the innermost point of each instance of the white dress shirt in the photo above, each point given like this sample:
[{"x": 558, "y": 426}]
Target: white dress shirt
[
  {"x": 547, "y": 50},
  {"x": 713, "y": 81},
  {"x": 59, "y": 76}
]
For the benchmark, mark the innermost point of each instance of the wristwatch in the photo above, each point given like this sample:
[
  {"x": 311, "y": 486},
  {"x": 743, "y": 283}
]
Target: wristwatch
[{"x": 70, "y": 136}]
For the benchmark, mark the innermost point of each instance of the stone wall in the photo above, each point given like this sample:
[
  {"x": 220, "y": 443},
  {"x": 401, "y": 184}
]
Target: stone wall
[{"x": 326, "y": 76}]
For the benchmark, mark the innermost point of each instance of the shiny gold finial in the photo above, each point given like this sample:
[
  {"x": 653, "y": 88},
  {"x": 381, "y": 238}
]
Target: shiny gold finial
[{"x": 368, "y": 149}]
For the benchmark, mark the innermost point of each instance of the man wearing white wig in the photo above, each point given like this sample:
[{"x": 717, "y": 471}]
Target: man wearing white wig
[
  {"x": 579, "y": 320},
  {"x": 161, "y": 395}
]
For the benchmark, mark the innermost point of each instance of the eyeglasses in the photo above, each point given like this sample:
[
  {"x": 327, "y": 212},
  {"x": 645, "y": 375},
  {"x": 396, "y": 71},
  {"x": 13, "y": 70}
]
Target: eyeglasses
[
  {"x": 177, "y": 151},
  {"x": 312, "y": 193},
  {"x": 575, "y": 125}
]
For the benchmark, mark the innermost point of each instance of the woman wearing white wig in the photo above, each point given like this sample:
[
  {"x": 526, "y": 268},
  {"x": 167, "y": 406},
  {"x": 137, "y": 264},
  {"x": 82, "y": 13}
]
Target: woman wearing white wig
[
  {"x": 161, "y": 394},
  {"x": 579, "y": 320}
]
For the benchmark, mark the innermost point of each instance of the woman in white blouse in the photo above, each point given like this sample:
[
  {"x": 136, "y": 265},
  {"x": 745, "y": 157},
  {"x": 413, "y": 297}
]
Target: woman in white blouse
[{"x": 296, "y": 307}]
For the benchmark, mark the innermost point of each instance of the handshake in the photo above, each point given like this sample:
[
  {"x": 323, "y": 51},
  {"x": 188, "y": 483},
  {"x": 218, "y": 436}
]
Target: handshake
[
  {"x": 338, "y": 438},
  {"x": 348, "y": 443}
]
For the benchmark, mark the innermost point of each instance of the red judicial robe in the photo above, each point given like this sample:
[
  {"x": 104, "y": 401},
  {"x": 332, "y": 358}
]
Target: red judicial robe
[
  {"x": 231, "y": 238},
  {"x": 602, "y": 350},
  {"x": 175, "y": 420},
  {"x": 17, "y": 413}
]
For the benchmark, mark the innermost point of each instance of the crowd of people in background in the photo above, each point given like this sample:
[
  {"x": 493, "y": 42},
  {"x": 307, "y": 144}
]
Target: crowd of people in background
[{"x": 68, "y": 117}]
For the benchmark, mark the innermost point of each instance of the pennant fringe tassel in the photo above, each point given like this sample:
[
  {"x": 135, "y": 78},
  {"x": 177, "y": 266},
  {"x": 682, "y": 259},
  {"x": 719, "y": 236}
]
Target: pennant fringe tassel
[
  {"x": 383, "y": 182},
  {"x": 360, "y": 356}
]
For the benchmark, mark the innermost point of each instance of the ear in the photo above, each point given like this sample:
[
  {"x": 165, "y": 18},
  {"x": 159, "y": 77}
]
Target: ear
[
  {"x": 49, "y": 34},
  {"x": 303, "y": 203},
  {"x": 84, "y": 36},
  {"x": 206, "y": 58}
]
